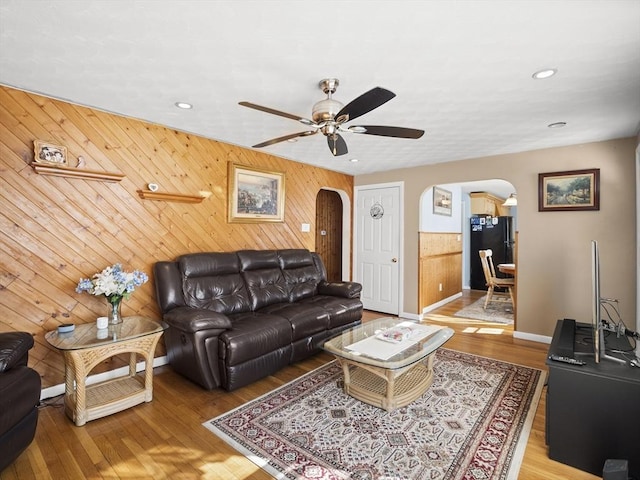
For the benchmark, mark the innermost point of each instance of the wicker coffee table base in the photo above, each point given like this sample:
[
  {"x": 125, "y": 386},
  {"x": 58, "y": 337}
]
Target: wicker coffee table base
[{"x": 385, "y": 388}]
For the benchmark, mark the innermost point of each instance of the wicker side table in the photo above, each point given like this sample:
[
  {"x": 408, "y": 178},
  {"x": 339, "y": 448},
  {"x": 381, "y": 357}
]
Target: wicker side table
[{"x": 86, "y": 347}]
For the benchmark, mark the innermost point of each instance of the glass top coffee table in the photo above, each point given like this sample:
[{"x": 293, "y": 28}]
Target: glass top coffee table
[
  {"x": 86, "y": 346},
  {"x": 388, "y": 362}
]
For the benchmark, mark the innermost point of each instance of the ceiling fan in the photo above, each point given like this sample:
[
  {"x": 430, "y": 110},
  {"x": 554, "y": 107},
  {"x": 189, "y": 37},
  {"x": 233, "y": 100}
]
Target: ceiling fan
[{"x": 329, "y": 117}]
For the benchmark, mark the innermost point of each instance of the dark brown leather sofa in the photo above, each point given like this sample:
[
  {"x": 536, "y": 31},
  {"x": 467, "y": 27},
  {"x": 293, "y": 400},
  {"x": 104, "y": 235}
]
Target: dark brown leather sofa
[
  {"x": 19, "y": 396},
  {"x": 236, "y": 317}
]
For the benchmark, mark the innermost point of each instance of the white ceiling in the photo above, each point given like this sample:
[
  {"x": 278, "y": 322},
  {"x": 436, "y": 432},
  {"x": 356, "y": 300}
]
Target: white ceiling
[{"x": 461, "y": 70}]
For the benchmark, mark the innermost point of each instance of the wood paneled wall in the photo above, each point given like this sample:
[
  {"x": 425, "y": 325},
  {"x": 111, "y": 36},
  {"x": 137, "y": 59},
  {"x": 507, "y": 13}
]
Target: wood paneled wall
[
  {"x": 440, "y": 265},
  {"x": 329, "y": 233},
  {"x": 56, "y": 230}
]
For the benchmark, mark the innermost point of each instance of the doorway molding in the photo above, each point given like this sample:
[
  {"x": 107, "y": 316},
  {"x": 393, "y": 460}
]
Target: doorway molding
[
  {"x": 400, "y": 186},
  {"x": 346, "y": 232}
]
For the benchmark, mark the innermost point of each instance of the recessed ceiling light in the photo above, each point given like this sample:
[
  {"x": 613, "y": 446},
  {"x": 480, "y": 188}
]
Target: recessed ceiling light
[
  {"x": 183, "y": 105},
  {"x": 557, "y": 125},
  {"x": 546, "y": 73},
  {"x": 353, "y": 160}
]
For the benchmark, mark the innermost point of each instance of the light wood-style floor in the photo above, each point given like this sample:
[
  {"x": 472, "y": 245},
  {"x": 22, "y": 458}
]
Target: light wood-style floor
[{"x": 165, "y": 439}]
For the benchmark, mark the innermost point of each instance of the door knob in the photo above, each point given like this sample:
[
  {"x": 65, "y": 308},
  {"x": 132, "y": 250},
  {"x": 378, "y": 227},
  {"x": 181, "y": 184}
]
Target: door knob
[{"x": 394, "y": 260}]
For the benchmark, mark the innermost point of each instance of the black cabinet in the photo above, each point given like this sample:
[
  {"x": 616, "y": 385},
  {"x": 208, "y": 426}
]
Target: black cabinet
[{"x": 593, "y": 411}]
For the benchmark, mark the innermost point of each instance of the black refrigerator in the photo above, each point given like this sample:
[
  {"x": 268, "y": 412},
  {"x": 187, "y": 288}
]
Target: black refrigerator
[{"x": 495, "y": 233}]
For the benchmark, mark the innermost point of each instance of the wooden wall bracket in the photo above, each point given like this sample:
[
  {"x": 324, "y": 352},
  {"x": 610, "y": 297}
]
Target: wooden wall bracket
[
  {"x": 170, "y": 197},
  {"x": 71, "y": 172}
]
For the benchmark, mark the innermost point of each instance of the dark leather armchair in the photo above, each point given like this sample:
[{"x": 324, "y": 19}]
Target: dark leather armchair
[{"x": 19, "y": 396}]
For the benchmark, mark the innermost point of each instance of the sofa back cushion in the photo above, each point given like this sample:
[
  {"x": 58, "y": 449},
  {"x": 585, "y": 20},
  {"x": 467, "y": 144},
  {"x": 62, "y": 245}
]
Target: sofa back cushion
[
  {"x": 263, "y": 278},
  {"x": 300, "y": 273},
  {"x": 213, "y": 281}
]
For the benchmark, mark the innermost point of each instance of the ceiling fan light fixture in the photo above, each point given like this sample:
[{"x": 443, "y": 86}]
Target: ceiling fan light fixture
[
  {"x": 512, "y": 201},
  {"x": 325, "y": 110},
  {"x": 545, "y": 73}
]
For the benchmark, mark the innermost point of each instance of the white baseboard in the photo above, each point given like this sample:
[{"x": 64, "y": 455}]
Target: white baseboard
[
  {"x": 56, "y": 390},
  {"x": 532, "y": 337},
  {"x": 418, "y": 317},
  {"x": 411, "y": 316},
  {"x": 439, "y": 304}
]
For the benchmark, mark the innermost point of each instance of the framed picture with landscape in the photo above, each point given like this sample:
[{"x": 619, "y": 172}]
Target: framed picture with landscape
[
  {"x": 569, "y": 191},
  {"x": 255, "y": 195}
]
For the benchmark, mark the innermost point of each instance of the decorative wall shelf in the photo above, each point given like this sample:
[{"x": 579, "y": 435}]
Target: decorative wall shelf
[
  {"x": 71, "y": 172},
  {"x": 170, "y": 197}
]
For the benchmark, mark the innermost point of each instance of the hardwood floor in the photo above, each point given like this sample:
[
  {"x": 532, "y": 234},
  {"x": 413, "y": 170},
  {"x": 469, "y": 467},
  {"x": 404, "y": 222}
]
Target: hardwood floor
[{"x": 165, "y": 439}]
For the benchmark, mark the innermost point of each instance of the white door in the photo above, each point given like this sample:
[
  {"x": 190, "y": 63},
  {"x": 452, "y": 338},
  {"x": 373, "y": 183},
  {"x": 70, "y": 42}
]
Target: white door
[{"x": 377, "y": 252}]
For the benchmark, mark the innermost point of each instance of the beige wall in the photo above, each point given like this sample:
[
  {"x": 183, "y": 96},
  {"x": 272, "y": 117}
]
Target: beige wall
[{"x": 554, "y": 262}]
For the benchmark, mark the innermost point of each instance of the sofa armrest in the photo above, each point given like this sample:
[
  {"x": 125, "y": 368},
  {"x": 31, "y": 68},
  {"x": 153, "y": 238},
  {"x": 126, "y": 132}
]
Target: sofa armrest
[
  {"x": 193, "y": 320},
  {"x": 14, "y": 349},
  {"x": 340, "y": 289}
]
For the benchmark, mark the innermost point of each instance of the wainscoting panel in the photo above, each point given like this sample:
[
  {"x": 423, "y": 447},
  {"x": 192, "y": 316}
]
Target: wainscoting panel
[
  {"x": 55, "y": 230},
  {"x": 440, "y": 272}
]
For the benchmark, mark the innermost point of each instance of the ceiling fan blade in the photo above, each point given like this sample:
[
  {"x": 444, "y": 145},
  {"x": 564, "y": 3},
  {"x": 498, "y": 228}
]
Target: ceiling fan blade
[
  {"x": 364, "y": 103},
  {"x": 272, "y": 111},
  {"x": 384, "y": 131},
  {"x": 337, "y": 145},
  {"x": 284, "y": 138}
]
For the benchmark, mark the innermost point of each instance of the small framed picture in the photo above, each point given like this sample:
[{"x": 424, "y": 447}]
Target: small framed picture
[
  {"x": 49, "y": 153},
  {"x": 569, "y": 191},
  {"x": 255, "y": 195},
  {"x": 442, "y": 200}
]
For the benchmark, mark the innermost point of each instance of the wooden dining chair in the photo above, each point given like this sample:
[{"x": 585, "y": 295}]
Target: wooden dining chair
[{"x": 493, "y": 282}]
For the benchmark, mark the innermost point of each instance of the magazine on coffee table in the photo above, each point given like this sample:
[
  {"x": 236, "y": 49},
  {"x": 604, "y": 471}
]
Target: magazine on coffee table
[
  {"x": 391, "y": 341},
  {"x": 398, "y": 334}
]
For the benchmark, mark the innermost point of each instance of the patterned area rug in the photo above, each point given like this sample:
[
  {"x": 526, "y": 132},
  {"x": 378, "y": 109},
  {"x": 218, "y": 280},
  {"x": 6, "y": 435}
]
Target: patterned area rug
[
  {"x": 496, "y": 312},
  {"x": 473, "y": 423}
]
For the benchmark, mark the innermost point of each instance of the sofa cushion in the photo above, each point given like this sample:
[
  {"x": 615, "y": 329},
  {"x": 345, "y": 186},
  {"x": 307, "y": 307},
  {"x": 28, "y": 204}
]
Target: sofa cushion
[
  {"x": 300, "y": 273},
  {"x": 252, "y": 335},
  {"x": 305, "y": 320},
  {"x": 263, "y": 278},
  {"x": 257, "y": 259},
  {"x": 342, "y": 311},
  {"x": 195, "y": 265},
  {"x": 212, "y": 281}
]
